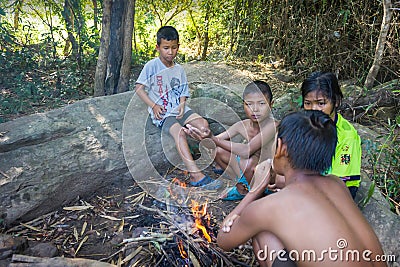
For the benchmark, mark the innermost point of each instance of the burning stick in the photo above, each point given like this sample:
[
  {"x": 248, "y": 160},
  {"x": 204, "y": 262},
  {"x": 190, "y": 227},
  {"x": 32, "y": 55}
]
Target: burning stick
[
  {"x": 200, "y": 213},
  {"x": 182, "y": 250}
]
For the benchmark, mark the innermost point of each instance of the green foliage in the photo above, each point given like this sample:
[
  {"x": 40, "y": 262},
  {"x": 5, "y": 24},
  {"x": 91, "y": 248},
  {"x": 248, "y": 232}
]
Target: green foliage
[
  {"x": 384, "y": 159},
  {"x": 370, "y": 192},
  {"x": 37, "y": 89},
  {"x": 305, "y": 35},
  {"x": 145, "y": 35},
  {"x": 35, "y": 76},
  {"x": 345, "y": 14},
  {"x": 32, "y": 81}
]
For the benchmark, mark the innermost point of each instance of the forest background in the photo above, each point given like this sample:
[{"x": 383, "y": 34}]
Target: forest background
[{"x": 55, "y": 52}]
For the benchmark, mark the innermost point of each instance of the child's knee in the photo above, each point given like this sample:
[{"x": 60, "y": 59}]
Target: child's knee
[{"x": 201, "y": 123}]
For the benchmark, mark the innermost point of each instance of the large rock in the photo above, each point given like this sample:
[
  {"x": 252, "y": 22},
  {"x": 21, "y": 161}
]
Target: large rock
[
  {"x": 49, "y": 159},
  {"x": 385, "y": 223},
  {"x": 373, "y": 205}
]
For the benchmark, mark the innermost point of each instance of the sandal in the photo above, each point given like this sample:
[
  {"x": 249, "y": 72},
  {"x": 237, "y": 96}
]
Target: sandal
[
  {"x": 207, "y": 183},
  {"x": 233, "y": 193},
  {"x": 217, "y": 170}
]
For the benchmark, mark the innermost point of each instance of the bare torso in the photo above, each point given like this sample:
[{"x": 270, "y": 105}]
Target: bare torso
[
  {"x": 317, "y": 225},
  {"x": 265, "y": 131}
]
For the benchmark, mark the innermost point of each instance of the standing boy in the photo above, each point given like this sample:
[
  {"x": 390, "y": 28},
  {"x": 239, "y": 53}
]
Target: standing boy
[
  {"x": 313, "y": 220},
  {"x": 239, "y": 159},
  {"x": 167, "y": 92}
]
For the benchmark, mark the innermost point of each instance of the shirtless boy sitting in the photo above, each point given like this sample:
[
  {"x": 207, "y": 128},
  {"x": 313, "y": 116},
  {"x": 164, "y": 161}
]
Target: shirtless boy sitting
[
  {"x": 313, "y": 220},
  {"x": 258, "y": 129}
]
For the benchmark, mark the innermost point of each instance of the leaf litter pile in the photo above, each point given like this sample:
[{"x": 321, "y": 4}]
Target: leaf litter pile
[{"x": 124, "y": 226}]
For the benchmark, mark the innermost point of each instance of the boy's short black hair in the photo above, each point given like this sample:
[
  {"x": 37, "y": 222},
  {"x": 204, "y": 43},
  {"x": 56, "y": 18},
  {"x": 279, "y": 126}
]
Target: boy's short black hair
[
  {"x": 310, "y": 137},
  {"x": 168, "y": 33},
  {"x": 324, "y": 82},
  {"x": 257, "y": 87}
]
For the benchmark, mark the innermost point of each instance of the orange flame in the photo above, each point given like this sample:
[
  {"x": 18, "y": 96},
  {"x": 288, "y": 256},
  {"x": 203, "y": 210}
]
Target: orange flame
[
  {"x": 173, "y": 192},
  {"x": 198, "y": 213},
  {"x": 182, "y": 250},
  {"x": 178, "y": 182}
]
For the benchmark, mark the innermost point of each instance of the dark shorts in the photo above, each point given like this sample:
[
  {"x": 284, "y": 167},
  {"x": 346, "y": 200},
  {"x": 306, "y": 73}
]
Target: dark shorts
[
  {"x": 353, "y": 191},
  {"x": 283, "y": 260},
  {"x": 169, "y": 121}
]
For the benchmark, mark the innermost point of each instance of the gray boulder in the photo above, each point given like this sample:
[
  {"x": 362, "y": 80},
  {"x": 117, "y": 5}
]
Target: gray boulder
[
  {"x": 49, "y": 159},
  {"x": 372, "y": 203}
]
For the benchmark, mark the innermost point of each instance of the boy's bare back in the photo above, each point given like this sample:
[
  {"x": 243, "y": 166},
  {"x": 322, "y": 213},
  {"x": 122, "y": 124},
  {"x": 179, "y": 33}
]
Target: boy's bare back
[
  {"x": 312, "y": 216},
  {"x": 308, "y": 216}
]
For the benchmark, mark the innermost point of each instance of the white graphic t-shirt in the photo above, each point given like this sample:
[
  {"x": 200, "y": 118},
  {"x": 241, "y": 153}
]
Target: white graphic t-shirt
[{"x": 164, "y": 86}]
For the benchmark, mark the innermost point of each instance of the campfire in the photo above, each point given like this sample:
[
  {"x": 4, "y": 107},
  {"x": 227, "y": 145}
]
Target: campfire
[{"x": 134, "y": 229}]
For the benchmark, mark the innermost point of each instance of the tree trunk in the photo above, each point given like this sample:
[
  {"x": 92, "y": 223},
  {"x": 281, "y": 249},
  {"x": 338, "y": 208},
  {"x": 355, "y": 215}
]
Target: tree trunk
[
  {"x": 123, "y": 83},
  {"x": 113, "y": 65},
  {"x": 69, "y": 25},
  {"x": 380, "y": 46},
  {"x": 101, "y": 67},
  {"x": 198, "y": 35},
  {"x": 233, "y": 27},
  {"x": 206, "y": 33},
  {"x": 114, "y": 59},
  {"x": 17, "y": 9},
  {"x": 95, "y": 14}
]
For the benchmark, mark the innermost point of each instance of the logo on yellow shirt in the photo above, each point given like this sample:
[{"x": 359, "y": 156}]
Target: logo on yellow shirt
[{"x": 344, "y": 159}]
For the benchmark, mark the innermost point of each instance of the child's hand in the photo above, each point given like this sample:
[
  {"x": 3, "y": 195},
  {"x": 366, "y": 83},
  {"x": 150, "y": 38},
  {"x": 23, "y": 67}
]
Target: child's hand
[
  {"x": 158, "y": 111},
  {"x": 196, "y": 133},
  {"x": 228, "y": 222}
]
